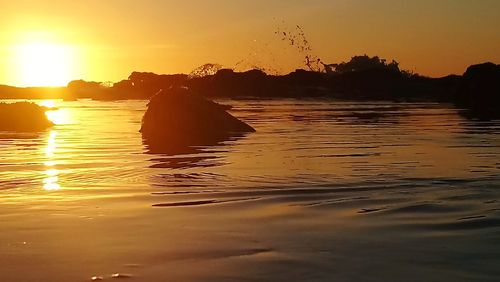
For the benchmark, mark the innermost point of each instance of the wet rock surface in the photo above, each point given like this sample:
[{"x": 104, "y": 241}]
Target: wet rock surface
[{"x": 178, "y": 119}]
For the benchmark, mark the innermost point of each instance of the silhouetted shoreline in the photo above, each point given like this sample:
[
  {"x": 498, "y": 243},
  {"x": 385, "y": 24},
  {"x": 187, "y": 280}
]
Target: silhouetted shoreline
[{"x": 363, "y": 78}]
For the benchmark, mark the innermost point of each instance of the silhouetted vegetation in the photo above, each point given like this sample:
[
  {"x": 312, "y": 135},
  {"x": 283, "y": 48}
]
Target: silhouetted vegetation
[
  {"x": 23, "y": 117},
  {"x": 364, "y": 63}
]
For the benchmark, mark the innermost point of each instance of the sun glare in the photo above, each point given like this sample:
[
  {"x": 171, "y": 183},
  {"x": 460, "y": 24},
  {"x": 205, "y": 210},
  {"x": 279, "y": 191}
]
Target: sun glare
[
  {"x": 43, "y": 64},
  {"x": 59, "y": 116},
  {"x": 48, "y": 103},
  {"x": 55, "y": 114}
]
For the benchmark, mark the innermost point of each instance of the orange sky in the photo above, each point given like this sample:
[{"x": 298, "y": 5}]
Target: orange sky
[{"x": 106, "y": 40}]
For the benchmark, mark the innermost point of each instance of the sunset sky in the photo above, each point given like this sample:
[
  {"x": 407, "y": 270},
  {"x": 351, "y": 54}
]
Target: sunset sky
[{"x": 107, "y": 40}]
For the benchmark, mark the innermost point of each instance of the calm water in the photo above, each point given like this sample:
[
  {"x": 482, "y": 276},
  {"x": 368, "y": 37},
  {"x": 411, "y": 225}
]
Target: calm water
[{"x": 323, "y": 191}]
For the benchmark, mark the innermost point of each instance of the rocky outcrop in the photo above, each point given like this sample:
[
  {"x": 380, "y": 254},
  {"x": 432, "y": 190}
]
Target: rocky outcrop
[
  {"x": 177, "y": 119},
  {"x": 479, "y": 90},
  {"x": 23, "y": 117},
  {"x": 361, "y": 78}
]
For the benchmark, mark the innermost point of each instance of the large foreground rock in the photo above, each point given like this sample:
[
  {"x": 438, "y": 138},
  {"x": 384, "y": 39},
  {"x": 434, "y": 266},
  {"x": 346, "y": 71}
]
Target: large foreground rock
[
  {"x": 23, "y": 117},
  {"x": 178, "y": 119},
  {"x": 479, "y": 90}
]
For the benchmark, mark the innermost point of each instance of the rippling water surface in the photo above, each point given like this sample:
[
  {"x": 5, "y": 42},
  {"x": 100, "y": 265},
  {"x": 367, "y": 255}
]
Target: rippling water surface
[{"x": 323, "y": 191}]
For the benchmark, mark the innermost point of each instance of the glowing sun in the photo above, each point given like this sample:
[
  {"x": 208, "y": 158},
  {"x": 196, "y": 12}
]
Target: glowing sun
[{"x": 43, "y": 64}]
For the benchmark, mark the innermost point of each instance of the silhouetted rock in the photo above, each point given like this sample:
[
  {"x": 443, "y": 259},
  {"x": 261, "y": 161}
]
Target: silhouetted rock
[
  {"x": 371, "y": 84},
  {"x": 82, "y": 88},
  {"x": 479, "y": 90},
  {"x": 361, "y": 78},
  {"x": 228, "y": 83},
  {"x": 442, "y": 89},
  {"x": 147, "y": 84},
  {"x": 177, "y": 119},
  {"x": 139, "y": 85},
  {"x": 23, "y": 117},
  {"x": 11, "y": 92}
]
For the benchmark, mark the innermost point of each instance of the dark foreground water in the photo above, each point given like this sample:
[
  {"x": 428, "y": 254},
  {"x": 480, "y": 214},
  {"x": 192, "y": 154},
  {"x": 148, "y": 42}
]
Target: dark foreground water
[{"x": 324, "y": 191}]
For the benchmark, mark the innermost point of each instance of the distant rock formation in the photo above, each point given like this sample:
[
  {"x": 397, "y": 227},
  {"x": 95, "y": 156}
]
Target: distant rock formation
[
  {"x": 228, "y": 83},
  {"x": 81, "y": 88},
  {"x": 11, "y": 92},
  {"x": 361, "y": 78},
  {"x": 479, "y": 90},
  {"x": 23, "y": 117},
  {"x": 178, "y": 119},
  {"x": 146, "y": 84}
]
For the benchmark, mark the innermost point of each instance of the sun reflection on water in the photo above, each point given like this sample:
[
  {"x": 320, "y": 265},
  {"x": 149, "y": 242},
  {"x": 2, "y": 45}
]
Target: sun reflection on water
[
  {"x": 50, "y": 183},
  {"x": 51, "y": 178},
  {"x": 54, "y": 113},
  {"x": 48, "y": 103},
  {"x": 51, "y": 144},
  {"x": 58, "y": 116}
]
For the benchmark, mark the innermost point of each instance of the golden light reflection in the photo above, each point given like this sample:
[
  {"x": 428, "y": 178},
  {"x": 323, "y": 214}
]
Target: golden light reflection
[
  {"x": 51, "y": 144},
  {"x": 48, "y": 103},
  {"x": 56, "y": 115},
  {"x": 50, "y": 181},
  {"x": 59, "y": 116},
  {"x": 50, "y": 163}
]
